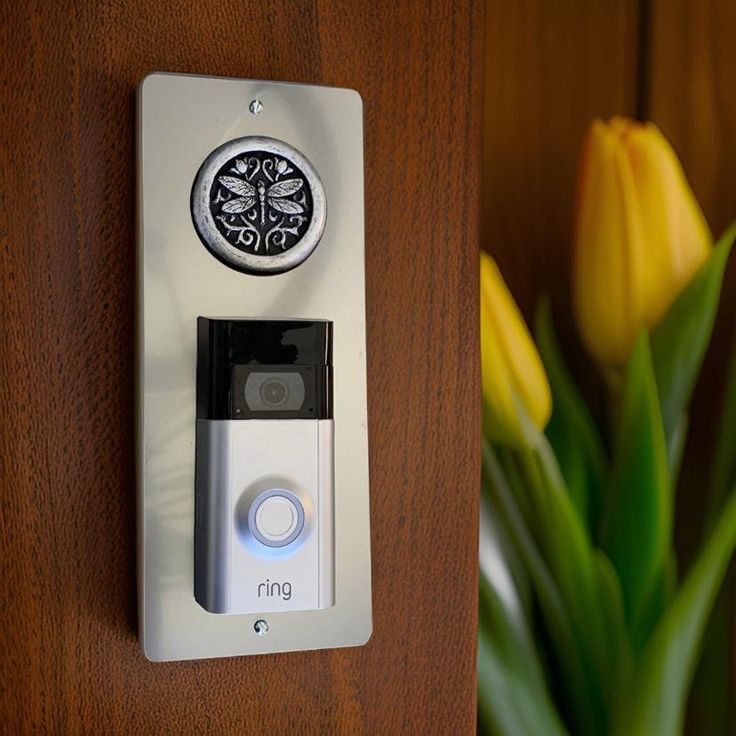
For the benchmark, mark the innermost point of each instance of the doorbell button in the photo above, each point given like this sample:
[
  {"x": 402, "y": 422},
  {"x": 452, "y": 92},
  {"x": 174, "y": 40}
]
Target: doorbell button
[
  {"x": 258, "y": 205},
  {"x": 276, "y": 518}
]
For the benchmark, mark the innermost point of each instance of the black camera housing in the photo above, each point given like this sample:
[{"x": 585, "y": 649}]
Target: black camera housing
[{"x": 230, "y": 351}]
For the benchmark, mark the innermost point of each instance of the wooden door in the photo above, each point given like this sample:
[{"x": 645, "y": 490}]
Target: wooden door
[{"x": 71, "y": 662}]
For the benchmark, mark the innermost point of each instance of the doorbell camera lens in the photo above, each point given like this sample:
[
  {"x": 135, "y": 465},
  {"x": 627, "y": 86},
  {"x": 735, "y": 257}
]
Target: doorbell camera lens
[
  {"x": 267, "y": 391},
  {"x": 274, "y": 392}
]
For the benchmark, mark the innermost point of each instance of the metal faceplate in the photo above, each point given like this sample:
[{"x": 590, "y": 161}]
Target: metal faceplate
[{"x": 289, "y": 161}]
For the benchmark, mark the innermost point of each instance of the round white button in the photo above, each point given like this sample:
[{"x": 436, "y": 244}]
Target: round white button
[{"x": 276, "y": 517}]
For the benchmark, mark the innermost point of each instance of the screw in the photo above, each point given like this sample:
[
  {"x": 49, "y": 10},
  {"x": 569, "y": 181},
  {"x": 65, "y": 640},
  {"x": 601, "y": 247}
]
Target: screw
[
  {"x": 260, "y": 627},
  {"x": 256, "y": 106}
]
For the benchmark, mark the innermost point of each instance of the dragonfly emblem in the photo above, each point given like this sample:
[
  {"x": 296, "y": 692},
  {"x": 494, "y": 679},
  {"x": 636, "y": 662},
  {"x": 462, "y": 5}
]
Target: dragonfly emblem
[{"x": 248, "y": 196}]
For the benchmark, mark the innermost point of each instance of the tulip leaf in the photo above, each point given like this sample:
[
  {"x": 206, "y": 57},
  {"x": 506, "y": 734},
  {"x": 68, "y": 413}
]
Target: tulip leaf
[
  {"x": 580, "y": 692},
  {"x": 507, "y": 458},
  {"x": 587, "y": 589},
  {"x": 636, "y": 532},
  {"x": 655, "y": 603},
  {"x": 571, "y": 430},
  {"x": 713, "y": 700},
  {"x": 680, "y": 340},
  {"x": 657, "y": 695},
  {"x": 498, "y": 559},
  {"x": 724, "y": 467},
  {"x": 513, "y": 696},
  {"x": 676, "y": 447},
  {"x": 617, "y": 643},
  {"x": 711, "y": 692}
]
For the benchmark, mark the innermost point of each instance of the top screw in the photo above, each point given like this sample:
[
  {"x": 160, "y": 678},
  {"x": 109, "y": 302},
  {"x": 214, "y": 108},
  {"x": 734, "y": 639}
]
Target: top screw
[{"x": 256, "y": 106}]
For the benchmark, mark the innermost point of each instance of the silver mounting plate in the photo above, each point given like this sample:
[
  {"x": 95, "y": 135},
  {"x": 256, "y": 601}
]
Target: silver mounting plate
[{"x": 182, "y": 119}]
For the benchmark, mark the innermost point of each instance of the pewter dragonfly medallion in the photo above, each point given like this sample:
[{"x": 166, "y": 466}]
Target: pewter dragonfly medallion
[
  {"x": 262, "y": 203},
  {"x": 258, "y": 205}
]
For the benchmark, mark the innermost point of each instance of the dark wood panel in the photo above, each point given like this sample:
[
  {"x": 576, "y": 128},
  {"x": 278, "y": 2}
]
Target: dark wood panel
[
  {"x": 693, "y": 63},
  {"x": 692, "y": 71},
  {"x": 551, "y": 68},
  {"x": 71, "y": 662}
]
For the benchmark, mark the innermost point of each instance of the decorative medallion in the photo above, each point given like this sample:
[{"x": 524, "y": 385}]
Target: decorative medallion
[{"x": 258, "y": 205}]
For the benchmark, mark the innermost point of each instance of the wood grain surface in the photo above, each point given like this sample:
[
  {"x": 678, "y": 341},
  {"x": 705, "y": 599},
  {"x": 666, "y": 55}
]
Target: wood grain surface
[
  {"x": 550, "y": 69},
  {"x": 71, "y": 662},
  {"x": 693, "y": 66}
]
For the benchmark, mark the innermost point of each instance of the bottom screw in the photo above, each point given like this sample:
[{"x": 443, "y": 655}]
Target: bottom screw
[{"x": 261, "y": 627}]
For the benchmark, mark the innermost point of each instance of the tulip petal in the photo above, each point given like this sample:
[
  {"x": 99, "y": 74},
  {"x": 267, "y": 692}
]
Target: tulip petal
[
  {"x": 675, "y": 234},
  {"x": 515, "y": 386},
  {"x": 640, "y": 236},
  {"x": 503, "y": 424},
  {"x": 608, "y": 250}
]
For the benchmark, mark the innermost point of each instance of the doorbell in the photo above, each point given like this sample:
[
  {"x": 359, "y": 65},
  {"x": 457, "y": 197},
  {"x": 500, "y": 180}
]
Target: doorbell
[
  {"x": 253, "y": 507},
  {"x": 264, "y": 478}
]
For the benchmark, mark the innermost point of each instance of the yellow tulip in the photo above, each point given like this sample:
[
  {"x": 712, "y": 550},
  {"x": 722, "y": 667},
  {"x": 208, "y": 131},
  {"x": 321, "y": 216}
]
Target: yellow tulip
[
  {"x": 640, "y": 236},
  {"x": 515, "y": 386}
]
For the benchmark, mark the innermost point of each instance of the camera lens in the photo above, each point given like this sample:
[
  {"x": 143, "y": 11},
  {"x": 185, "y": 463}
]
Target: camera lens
[{"x": 274, "y": 392}]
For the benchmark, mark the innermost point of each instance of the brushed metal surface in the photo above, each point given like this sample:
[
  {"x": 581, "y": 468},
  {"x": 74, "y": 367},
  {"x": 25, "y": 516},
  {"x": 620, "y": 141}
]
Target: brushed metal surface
[
  {"x": 181, "y": 119},
  {"x": 261, "y": 456}
]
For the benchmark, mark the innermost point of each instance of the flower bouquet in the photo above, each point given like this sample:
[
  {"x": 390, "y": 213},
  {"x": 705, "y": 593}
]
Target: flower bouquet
[{"x": 586, "y": 625}]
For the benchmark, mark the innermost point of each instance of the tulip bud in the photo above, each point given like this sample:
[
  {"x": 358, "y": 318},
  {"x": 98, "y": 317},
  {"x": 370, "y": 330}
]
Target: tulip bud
[
  {"x": 515, "y": 386},
  {"x": 640, "y": 236}
]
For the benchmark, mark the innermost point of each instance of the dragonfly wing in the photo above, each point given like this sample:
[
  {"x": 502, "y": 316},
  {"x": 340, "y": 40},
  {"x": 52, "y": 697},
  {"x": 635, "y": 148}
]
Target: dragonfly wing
[
  {"x": 285, "y": 188},
  {"x": 238, "y": 186},
  {"x": 234, "y": 206},
  {"x": 286, "y": 206}
]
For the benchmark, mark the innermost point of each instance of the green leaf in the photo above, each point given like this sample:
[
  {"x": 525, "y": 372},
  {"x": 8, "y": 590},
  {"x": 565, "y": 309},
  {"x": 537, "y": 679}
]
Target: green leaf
[
  {"x": 498, "y": 558},
  {"x": 590, "y": 594},
  {"x": 637, "y": 526},
  {"x": 507, "y": 458},
  {"x": 571, "y": 431},
  {"x": 580, "y": 691},
  {"x": 711, "y": 693},
  {"x": 656, "y": 602},
  {"x": 724, "y": 467},
  {"x": 680, "y": 340},
  {"x": 513, "y": 697},
  {"x": 676, "y": 447},
  {"x": 616, "y": 642},
  {"x": 658, "y": 693}
]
